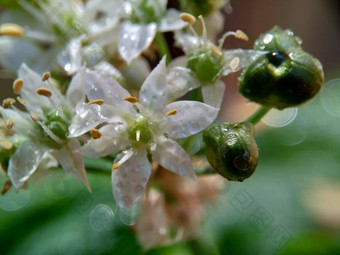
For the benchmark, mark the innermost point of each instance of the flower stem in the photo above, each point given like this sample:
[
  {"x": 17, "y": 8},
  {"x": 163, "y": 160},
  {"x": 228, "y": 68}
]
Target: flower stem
[
  {"x": 162, "y": 46},
  {"x": 98, "y": 164},
  {"x": 256, "y": 117}
]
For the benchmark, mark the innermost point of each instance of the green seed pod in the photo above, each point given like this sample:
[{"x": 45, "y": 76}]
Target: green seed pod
[
  {"x": 285, "y": 77},
  {"x": 231, "y": 149}
]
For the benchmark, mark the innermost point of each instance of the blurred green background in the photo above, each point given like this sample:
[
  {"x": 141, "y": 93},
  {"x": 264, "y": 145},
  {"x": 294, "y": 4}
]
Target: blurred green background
[{"x": 291, "y": 205}]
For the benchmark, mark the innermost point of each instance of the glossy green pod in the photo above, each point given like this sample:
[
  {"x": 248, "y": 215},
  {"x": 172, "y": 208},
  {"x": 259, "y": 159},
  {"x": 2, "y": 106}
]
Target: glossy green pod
[
  {"x": 231, "y": 149},
  {"x": 286, "y": 76}
]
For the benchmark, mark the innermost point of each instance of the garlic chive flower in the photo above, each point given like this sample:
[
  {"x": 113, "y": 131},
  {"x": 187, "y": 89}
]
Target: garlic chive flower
[
  {"x": 44, "y": 126},
  {"x": 206, "y": 63},
  {"x": 142, "y": 129},
  {"x": 147, "y": 17}
]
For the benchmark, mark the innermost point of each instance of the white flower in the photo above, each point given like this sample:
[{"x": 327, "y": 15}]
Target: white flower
[
  {"x": 146, "y": 19},
  {"x": 140, "y": 129},
  {"x": 206, "y": 64},
  {"x": 45, "y": 125},
  {"x": 65, "y": 27}
]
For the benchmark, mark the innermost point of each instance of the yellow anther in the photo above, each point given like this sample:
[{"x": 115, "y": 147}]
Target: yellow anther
[
  {"x": 17, "y": 86},
  {"x": 12, "y": 30},
  {"x": 188, "y": 18},
  {"x": 131, "y": 99},
  {"x": 10, "y": 123},
  {"x": 21, "y": 101},
  {"x": 234, "y": 62},
  {"x": 8, "y": 102},
  {"x": 44, "y": 92},
  {"x": 6, "y": 187},
  {"x": 95, "y": 134},
  {"x": 115, "y": 166},
  {"x": 46, "y": 76},
  {"x": 241, "y": 35},
  {"x": 34, "y": 117},
  {"x": 6, "y": 145},
  {"x": 171, "y": 112},
  {"x": 216, "y": 51},
  {"x": 97, "y": 101}
]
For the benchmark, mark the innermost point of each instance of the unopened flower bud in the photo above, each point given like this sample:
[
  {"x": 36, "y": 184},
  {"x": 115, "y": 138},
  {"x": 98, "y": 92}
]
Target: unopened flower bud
[
  {"x": 285, "y": 77},
  {"x": 231, "y": 149}
]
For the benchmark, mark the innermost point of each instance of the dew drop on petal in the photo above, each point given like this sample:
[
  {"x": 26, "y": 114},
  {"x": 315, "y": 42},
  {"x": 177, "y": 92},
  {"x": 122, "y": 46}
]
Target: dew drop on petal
[
  {"x": 129, "y": 216},
  {"x": 101, "y": 218},
  {"x": 278, "y": 118},
  {"x": 330, "y": 97}
]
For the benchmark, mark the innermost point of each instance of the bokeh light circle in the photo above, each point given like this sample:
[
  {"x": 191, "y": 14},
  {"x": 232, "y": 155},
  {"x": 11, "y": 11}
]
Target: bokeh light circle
[
  {"x": 280, "y": 118},
  {"x": 330, "y": 97},
  {"x": 101, "y": 218}
]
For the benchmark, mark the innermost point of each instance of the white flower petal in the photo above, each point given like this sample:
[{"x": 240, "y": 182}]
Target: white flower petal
[
  {"x": 171, "y": 21},
  {"x": 245, "y": 58},
  {"x": 72, "y": 162},
  {"x": 173, "y": 157},
  {"x": 213, "y": 93},
  {"x": 136, "y": 73},
  {"x": 180, "y": 80},
  {"x": 24, "y": 162},
  {"x": 153, "y": 93},
  {"x": 130, "y": 179},
  {"x": 99, "y": 85},
  {"x": 32, "y": 82},
  {"x": 23, "y": 124},
  {"x": 75, "y": 92},
  {"x": 191, "y": 118},
  {"x": 112, "y": 140},
  {"x": 102, "y": 15},
  {"x": 70, "y": 59},
  {"x": 134, "y": 39},
  {"x": 15, "y": 51},
  {"x": 109, "y": 69},
  {"x": 87, "y": 117},
  {"x": 187, "y": 42}
]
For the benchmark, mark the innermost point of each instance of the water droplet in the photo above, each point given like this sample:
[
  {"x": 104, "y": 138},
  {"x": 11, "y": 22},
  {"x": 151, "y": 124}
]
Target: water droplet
[
  {"x": 277, "y": 118},
  {"x": 101, "y": 218},
  {"x": 128, "y": 216},
  {"x": 125, "y": 201},
  {"x": 268, "y": 38},
  {"x": 330, "y": 97}
]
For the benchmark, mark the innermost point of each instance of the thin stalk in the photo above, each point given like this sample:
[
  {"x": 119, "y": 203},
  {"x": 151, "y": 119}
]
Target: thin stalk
[
  {"x": 162, "y": 46},
  {"x": 257, "y": 116}
]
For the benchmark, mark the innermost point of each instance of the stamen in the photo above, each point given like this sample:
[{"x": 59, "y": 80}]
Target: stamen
[
  {"x": 216, "y": 51},
  {"x": 171, "y": 112},
  {"x": 44, "y": 92},
  {"x": 6, "y": 187},
  {"x": 17, "y": 86},
  {"x": 34, "y": 117},
  {"x": 10, "y": 123},
  {"x": 6, "y": 145},
  {"x": 97, "y": 101},
  {"x": 234, "y": 62},
  {"x": 45, "y": 76},
  {"x": 12, "y": 30},
  {"x": 238, "y": 34},
  {"x": 21, "y": 101},
  {"x": 131, "y": 99},
  {"x": 8, "y": 102},
  {"x": 188, "y": 18},
  {"x": 241, "y": 35},
  {"x": 204, "y": 29},
  {"x": 95, "y": 134},
  {"x": 115, "y": 166}
]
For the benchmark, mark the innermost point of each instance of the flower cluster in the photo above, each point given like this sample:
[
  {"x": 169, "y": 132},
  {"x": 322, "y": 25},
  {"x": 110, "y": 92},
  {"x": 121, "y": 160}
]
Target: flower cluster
[{"x": 85, "y": 81}]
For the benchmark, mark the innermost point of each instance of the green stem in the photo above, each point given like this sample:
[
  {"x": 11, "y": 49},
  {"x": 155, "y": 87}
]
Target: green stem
[
  {"x": 98, "y": 164},
  {"x": 162, "y": 46},
  {"x": 256, "y": 117}
]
